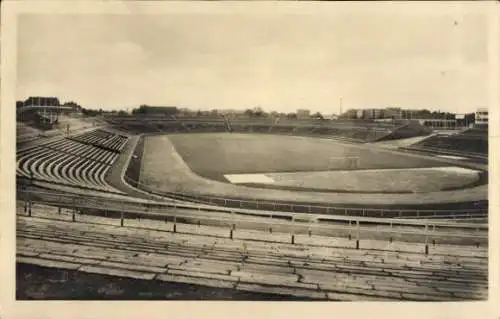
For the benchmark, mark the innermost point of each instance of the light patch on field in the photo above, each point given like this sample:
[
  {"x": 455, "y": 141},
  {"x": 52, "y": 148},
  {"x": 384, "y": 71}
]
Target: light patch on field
[
  {"x": 419, "y": 180},
  {"x": 455, "y": 169},
  {"x": 451, "y": 157},
  {"x": 249, "y": 179}
]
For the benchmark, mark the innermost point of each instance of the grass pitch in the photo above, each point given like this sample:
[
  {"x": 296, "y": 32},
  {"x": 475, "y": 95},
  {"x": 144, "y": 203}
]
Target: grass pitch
[
  {"x": 214, "y": 155},
  {"x": 196, "y": 164}
]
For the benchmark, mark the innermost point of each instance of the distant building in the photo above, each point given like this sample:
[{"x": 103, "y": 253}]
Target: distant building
[
  {"x": 445, "y": 124},
  {"x": 360, "y": 114},
  {"x": 19, "y": 104},
  {"x": 372, "y": 114},
  {"x": 74, "y": 107},
  {"x": 378, "y": 113},
  {"x": 481, "y": 118},
  {"x": 349, "y": 114},
  {"x": 158, "y": 110},
  {"x": 465, "y": 120},
  {"x": 231, "y": 113},
  {"x": 303, "y": 114},
  {"x": 392, "y": 113},
  {"x": 42, "y": 101}
]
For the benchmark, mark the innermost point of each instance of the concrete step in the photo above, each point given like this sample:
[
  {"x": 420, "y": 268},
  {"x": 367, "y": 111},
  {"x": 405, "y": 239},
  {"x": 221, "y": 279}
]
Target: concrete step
[
  {"x": 216, "y": 283},
  {"x": 134, "y": 267},
  {"x": 304, "y": 293},
  {"x": 48, "y": 263},
  {"x": 427, "y": 297},
  {"x": 117, "y": 272},
  {"x": 336, "y": 296},
  {"x": 196, "y": 266},
  {"x": 202, "y": 274}
]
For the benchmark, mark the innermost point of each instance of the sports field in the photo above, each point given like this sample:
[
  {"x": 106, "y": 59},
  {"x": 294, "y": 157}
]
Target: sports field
[
  {"x": 215, "y": 155},
  {"x": 294, "y": 163},
  {"x": 268, "y": 166}
]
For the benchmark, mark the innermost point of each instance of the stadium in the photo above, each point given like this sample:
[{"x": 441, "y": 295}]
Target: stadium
[{"x": 253, "y": 208}]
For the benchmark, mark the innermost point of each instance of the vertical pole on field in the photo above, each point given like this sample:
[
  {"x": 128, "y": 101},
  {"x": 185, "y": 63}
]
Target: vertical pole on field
[
  {"x": 357, "y": 235},
  {"x": 175, "y": 223},
  {"x": 349, "y": 229},
  {"x": 293, "y": 229},
  {"x": 121, "y": 215},
  {"x": 426, "y": 239}
]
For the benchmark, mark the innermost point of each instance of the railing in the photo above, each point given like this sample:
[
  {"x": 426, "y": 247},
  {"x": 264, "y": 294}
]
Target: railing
[
  {"x": 146, "y": 207},
  {"x": 423, "y": 231}
]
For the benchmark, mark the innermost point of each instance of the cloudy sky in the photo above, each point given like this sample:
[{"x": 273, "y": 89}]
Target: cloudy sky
[{"x": 279, "y": 61}]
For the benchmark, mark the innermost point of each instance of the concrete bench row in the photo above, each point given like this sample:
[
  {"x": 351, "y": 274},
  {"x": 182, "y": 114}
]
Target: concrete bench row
[
  {"x": 68, "y": 162},
  {"x": 103, "y": 138},
  {"x": 456, "y": 144},
  {"x": 472, "y": 256},
  {"x": 331, "y": 132},
  {"x": 174, "y": 126},
  {"x": 248, "y": 264}
]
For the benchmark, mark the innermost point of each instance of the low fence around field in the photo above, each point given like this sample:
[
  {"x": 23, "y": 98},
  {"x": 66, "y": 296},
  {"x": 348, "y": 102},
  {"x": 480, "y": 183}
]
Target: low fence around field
[{"x": 277, "y": 206}]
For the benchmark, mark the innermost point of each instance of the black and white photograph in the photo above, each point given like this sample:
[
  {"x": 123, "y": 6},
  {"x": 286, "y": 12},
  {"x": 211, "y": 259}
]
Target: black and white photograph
[{"x": 232, "y": 151}]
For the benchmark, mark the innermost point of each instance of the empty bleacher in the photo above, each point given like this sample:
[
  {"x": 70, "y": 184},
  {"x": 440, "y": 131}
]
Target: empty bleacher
[
  {"x": 315, "y": 267},
  {"x": 352, "y": 131},
  {"x": 80, "y": 161},
  {"x": 468, "y": 143},
  {"x": 102, "y": 138},
  {"x": 207, "y": 127}
]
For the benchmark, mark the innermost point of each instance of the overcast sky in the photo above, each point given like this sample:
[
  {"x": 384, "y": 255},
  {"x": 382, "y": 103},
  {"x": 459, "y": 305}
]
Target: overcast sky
[{"x": 278, "y": 61}]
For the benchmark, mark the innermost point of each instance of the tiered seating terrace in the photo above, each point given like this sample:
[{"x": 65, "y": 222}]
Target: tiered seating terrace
[
  {"x": 472, "y": 142},
  {"x": 314, "y": 267},
  {"x": 80, "y": 162},
  {"x": 102, "y": 138}
]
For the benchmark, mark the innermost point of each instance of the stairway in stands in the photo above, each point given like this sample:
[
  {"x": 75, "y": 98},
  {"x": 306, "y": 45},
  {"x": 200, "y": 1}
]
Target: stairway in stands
[{"x": 227, "y": 124}]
